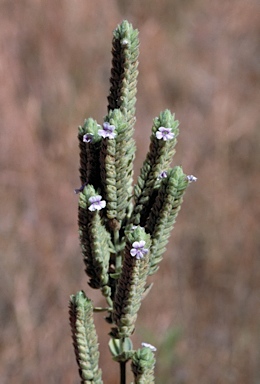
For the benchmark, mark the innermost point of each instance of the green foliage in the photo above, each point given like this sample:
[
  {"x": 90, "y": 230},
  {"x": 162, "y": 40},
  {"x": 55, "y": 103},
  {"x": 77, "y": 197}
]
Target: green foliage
[
  {"x": 95, "y": 242},
  {"x": 158, "y": 159},
  {"x": 117, "y": 157},
  {"x": 84, "y": 338},
  {"x": 121, "y": 349},
  {"x": 164, "y": 212},
  {"x": 124, "y": 71},
  {"x": 143, "y": 362},
  {"x": 123, "y": 231},
  {"x": 130, "y": 286},
  {"x": 89, "y": 154}
]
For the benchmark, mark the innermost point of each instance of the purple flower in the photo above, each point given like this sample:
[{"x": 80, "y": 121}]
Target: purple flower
[
  {"x": 147, "y": 345},
  {"x": 96, "y": 203},
  {"x": 88, "y": 137},
  {"x": 165, "y": 134},
  {"x": 80, "y": 189},
  {"x": 138, "y": 249},
  {"x": 162, "y": 175},
  {"x": 191, "y": 178},
  {"x": 107, "y": 131}
]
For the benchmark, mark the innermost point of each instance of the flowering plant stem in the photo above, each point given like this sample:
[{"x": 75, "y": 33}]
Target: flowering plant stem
[
  {"x": 122, "y": 372},
  {"x": 123, "y": 230}
]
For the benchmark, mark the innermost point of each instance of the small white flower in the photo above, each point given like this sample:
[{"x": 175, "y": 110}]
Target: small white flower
[
  {"x": 147, "y": 345},
  {"x": 191, "y": 178},
  {"x": 107, "y": 131},
  {"x": 165, "y": 134},
  {"x": 88, "y": 137},
  {"x": 138, "y": 249},
  {"x": 162, "y": 175},
  {"x": 96, "y": 203}
]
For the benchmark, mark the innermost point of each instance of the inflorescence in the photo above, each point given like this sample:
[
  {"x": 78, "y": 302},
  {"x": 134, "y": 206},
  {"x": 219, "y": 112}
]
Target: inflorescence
[{"x": 123, "y": 229}]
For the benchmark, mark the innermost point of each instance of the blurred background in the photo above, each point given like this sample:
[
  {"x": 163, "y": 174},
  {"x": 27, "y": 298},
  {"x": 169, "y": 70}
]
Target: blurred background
[{"x": 201, "y": 60}]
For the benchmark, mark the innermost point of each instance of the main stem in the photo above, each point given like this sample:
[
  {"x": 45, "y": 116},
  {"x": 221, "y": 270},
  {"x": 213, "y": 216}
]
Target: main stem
[
  {"x": 122, "y": 364},
  {"x": 123, "y": 372}
]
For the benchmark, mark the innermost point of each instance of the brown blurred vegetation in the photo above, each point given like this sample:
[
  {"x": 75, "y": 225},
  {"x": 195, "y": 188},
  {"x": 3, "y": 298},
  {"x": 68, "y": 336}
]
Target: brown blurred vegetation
[{"x": 201, "y": 60}]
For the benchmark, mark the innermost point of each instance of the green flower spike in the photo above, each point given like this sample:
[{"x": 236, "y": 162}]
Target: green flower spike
[
  {"x": 116, "y": 160},
  {"x": 131, "y": 283},
  {"x": 108, "y": 175},
  {"x": 143, "y": 362},
  {"x": 84, "y": 338},
  {"x": 164, "y": 213},
  {"x": 89, "y": 144},
  {"x": 163, "y": 140},
  {"x": 124, "y": 71},
  {"x": 94, "y": 239}
]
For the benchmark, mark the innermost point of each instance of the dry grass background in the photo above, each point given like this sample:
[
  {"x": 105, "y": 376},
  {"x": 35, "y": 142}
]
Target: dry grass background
[{"x": 201, "y": 60}]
